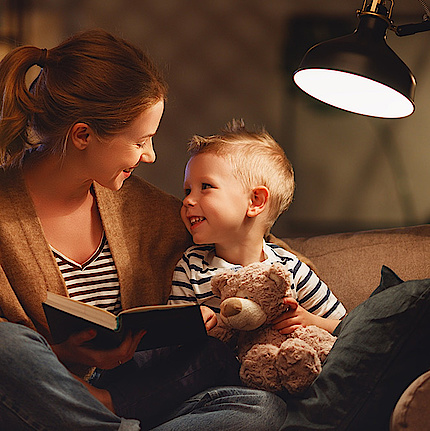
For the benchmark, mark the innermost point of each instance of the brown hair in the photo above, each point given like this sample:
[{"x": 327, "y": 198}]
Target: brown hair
[
  {"x": 92, "y": 77},
  {"x": 257, "y": 160}
]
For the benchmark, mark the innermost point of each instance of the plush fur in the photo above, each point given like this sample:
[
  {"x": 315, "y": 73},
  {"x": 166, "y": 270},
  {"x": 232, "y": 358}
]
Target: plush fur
[{"x": 252, "y": 298}]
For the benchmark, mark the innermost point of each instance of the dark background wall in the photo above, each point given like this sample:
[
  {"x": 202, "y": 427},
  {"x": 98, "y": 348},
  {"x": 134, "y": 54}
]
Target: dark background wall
[{"x": 229, "y": 59}]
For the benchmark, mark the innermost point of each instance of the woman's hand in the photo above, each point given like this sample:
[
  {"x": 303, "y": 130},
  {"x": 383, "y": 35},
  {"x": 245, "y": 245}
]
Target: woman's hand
[
  {"x": 209, "y": 317},
  {"x": 75, "y": 350},
  {"x": 297, "y": 316}
]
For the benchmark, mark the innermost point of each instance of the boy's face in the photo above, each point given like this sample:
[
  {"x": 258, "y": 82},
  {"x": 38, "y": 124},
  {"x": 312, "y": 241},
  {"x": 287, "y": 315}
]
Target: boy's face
[{"x": 215, "y": 206}]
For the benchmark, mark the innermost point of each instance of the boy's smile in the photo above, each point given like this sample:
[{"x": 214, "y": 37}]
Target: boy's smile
[{"x": 195, "y": 220}]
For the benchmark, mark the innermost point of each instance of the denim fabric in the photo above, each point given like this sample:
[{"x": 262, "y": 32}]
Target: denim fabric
[
  {"x": 156, "y": 382},
  {"x": 38, "y": 393},
  {"x": 382, "y": 346},
  {"x": 228, "y": 409}
]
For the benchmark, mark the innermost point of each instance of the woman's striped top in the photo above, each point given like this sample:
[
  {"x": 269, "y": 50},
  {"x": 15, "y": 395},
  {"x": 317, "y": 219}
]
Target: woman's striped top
[{"x": 94, "y": 282}]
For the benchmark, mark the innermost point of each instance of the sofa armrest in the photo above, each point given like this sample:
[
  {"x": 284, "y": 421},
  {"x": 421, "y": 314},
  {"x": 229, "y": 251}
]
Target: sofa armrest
[{"x": 412, "y": 411}]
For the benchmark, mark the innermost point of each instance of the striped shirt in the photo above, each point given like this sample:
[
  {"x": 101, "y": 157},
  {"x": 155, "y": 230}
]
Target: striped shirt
[
  {"x": 94, "y": 282},
  {"x": 193, "y": 274}
]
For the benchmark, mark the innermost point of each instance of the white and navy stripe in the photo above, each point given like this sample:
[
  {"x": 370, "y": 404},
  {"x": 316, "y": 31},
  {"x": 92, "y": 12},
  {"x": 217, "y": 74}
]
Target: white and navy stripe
[
  {"x": 95, "y": 282},
  {"x": 193, "y": 274}
]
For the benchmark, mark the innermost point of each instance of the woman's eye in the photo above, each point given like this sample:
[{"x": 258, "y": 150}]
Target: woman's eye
[
  {"x": 141, "y": 144},
  {"x": 206, "y": 186}
]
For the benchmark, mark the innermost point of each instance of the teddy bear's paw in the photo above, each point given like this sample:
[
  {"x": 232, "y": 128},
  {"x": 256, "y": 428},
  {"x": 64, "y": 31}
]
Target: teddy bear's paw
[
  {"x": 298, "y": 365},
  {"x": 320, "y": 339},
  {"x": 258, "y": 369},
  {"x": 223, "y": 333}
]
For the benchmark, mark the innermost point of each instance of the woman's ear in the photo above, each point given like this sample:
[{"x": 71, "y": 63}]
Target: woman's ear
[
  {"x": 259, "y": 198},
  {"x": 80, "y": 135}
]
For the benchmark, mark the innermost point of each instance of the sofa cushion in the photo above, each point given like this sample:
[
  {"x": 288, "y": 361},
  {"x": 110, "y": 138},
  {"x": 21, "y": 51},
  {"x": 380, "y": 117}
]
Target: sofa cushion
[
  {"x": 412, "y": 410},
  {"x": 350, "y": 263}
]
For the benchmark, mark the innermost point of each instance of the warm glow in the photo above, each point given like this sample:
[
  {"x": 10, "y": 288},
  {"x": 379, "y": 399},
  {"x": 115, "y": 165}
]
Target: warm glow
[{"x": 353, "y": 93}]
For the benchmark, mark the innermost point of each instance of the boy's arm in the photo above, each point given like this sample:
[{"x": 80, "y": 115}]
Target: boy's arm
[
  {"x": 182, "y": 292},
  {"x": 313, "y": 294},
  {"x": 297, "y": 316},
  {"x": 313, "y": 302}
]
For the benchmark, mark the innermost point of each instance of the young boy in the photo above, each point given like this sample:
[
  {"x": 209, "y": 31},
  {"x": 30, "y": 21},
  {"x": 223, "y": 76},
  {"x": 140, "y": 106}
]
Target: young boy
[{"x": 236, "y": 185}]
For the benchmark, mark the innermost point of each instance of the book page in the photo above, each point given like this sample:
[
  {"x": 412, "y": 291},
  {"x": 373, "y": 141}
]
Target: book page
[{"x": 82, "y": 310}]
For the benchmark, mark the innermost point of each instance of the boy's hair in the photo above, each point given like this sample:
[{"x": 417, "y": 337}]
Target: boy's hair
[{"x": 257, "y": 160}]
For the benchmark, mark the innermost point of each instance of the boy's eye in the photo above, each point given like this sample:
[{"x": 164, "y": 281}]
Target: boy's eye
[
  {"x": 187, "y": 192},
  {"x": 206, "y": 186}
]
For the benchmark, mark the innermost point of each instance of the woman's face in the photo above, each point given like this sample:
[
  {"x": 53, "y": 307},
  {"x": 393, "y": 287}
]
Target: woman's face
[{"x": 118, "y": 156}]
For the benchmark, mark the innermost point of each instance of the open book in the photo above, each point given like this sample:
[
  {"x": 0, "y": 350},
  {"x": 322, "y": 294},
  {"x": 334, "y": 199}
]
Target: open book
[{"x": 166, "y": 325}]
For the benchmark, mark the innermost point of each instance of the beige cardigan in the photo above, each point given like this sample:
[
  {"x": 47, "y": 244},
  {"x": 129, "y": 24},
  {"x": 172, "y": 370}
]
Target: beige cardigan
[{"x": 142, "y": 225}]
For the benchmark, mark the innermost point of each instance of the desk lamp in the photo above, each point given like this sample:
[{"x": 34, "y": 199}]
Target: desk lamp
[{"x": 360, "y": 73}]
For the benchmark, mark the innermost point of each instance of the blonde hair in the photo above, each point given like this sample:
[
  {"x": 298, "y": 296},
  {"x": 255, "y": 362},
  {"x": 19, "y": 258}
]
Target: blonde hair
[
  {"x": 92, "y": 77},
  {"x": 257, "y": 160}
]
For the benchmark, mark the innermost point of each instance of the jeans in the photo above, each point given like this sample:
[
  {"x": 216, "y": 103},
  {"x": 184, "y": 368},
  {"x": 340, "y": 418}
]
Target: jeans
[
  {"x": 158, "y": 381},
  {"x": 228, "y": 408},
  {"x": 38, "y": 393}
]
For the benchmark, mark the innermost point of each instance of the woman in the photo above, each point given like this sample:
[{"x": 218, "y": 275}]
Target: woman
[{"x": 72, "y": 221}]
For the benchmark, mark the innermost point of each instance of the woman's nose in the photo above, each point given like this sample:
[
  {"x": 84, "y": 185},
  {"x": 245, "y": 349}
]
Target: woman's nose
[{"x": 148, "y": 155}]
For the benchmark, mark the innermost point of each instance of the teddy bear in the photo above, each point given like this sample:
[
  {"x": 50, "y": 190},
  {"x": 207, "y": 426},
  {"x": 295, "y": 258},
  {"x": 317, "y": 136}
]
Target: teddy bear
[{"x": 251, "y": 299}]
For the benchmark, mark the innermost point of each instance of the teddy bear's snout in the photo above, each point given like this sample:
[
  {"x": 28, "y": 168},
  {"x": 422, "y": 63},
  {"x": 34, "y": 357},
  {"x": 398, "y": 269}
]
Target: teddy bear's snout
[
  {"x": 241, "y": 313},
  {"x": 231, "y": 307}
]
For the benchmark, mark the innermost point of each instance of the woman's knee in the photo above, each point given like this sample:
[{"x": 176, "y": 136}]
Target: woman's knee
[
  {"x": 240, "y": 407},
  {"x": 18, "y": 341}
]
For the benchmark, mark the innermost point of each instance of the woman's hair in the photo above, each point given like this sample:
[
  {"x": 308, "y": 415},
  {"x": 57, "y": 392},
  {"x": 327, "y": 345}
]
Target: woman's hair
[
  {"x": 92, "y": 77},
  {"x": 257, "y": 160}
]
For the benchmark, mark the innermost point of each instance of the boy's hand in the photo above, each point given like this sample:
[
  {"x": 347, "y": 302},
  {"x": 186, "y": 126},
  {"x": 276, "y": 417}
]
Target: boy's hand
[
  {"x": 209, "y": 317},
  {"x": 297, "y": 316},
  {"x": 293, "y": 318}
]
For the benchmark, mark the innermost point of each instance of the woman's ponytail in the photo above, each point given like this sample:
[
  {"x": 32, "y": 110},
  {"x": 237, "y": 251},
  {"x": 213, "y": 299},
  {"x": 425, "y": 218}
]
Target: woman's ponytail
[{"x": 17, "y": 103}]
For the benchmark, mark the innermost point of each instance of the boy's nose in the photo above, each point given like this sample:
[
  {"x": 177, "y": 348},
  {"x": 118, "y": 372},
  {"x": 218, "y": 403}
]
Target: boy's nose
[{"x": 188, "y": 201}]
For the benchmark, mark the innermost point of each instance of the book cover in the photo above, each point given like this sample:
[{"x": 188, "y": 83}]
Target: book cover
[{"x": 166, "y": 325}]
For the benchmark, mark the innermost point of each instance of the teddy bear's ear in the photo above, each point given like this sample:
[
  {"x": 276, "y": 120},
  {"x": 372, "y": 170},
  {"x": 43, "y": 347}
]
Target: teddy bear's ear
[
  {"x": 280, "y": 275},
  {"x": 218, "y": 282}
]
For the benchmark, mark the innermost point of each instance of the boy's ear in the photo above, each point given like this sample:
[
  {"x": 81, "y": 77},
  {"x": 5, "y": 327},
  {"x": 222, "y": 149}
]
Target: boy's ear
[
  {"x": 80, "y": 135},
  {"x": 259, "y": 198}
]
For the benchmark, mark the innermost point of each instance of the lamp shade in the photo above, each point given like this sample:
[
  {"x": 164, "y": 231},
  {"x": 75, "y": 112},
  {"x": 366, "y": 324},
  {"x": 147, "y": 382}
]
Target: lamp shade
[{"x": 359, "y": 73}]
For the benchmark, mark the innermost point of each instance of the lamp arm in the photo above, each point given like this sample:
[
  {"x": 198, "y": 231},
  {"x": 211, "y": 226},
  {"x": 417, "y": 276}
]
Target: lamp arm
[{"x": 408, "y": 29}]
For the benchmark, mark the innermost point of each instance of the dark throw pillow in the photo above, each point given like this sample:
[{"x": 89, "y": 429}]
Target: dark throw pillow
[
  {"x": 382, "y": 347},
  {"x": 388, "y": 279}
]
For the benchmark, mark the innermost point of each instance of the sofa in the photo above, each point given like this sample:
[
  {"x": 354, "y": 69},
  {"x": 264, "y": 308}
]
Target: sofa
[{"x": 350, "y": 264}]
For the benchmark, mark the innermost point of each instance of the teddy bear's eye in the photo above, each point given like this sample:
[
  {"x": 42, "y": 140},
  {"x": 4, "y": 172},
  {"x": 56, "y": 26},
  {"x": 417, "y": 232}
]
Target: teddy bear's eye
[{"x": 242, "y": 293}]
